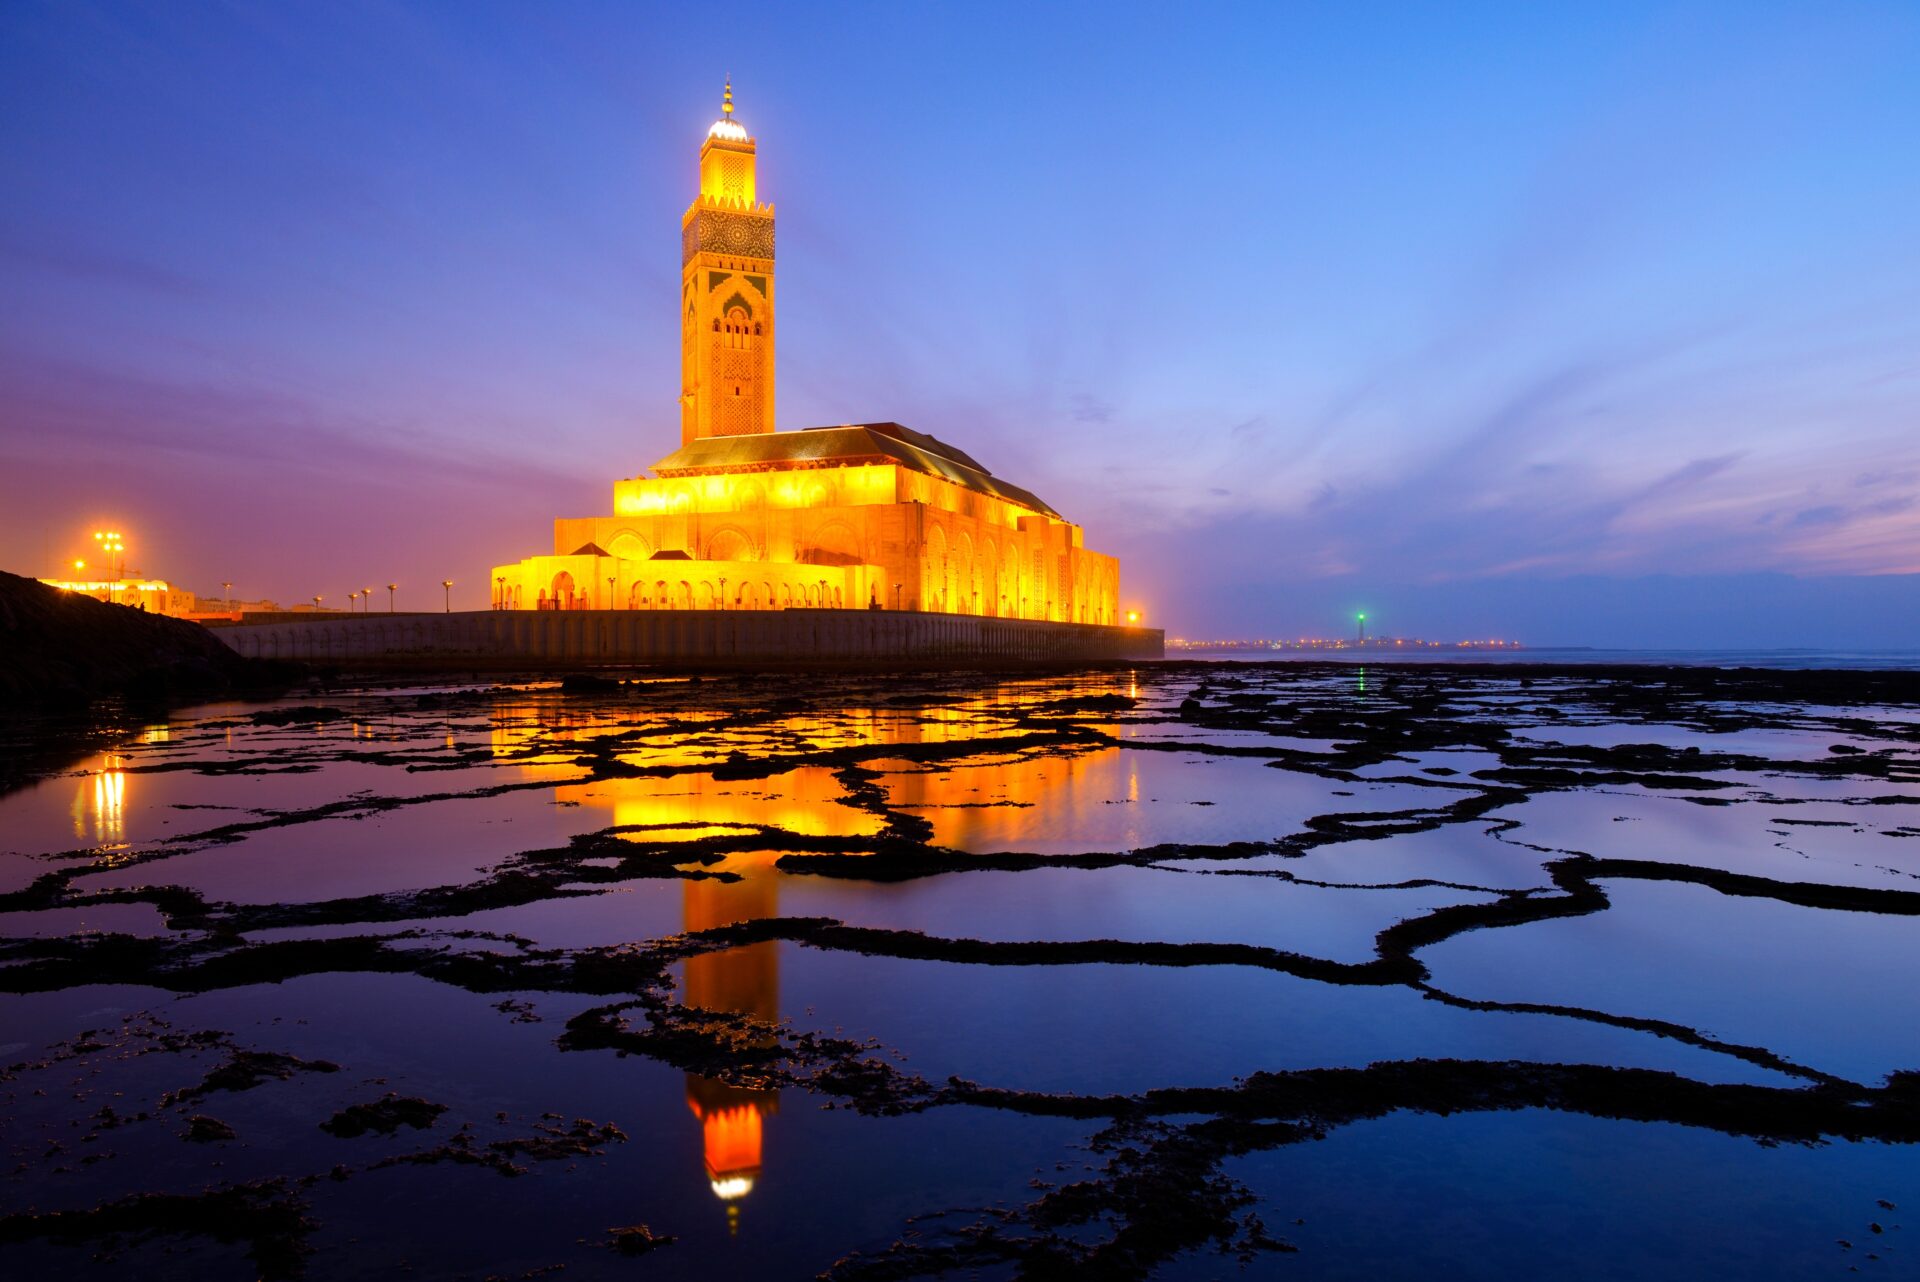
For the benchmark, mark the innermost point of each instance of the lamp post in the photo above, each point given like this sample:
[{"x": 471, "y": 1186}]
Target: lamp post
[
  {"x": 228, "y": 589},
  {"x": 723, "y": 592},
  {"x": 896, "y": 595},
  {"x": 446, "y": 595},
  {"x": 500, "y": 592},
  {"x": 351, "y": 598},
  {"x": 110, "y": 543},
  {"x": 366, "y": 600},
  {"x": 611, "y": 580},
  {"x": 391, "y": 588},
  {"x": 316, "y": 604}
]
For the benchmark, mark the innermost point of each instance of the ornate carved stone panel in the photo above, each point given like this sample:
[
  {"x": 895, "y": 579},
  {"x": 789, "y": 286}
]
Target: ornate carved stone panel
[{"x": 716, "y": 232}]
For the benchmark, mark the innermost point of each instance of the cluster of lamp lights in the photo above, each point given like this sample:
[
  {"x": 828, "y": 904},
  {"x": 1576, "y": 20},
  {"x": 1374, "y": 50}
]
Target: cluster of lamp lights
[
  {"x": 361, "y": 601},
  {"x": 114, "y": 548}
]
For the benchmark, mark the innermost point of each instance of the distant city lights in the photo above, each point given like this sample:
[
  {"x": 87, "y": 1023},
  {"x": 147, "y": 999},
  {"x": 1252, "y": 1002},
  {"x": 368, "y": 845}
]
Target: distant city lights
[{"x": 1370, "y": 644}]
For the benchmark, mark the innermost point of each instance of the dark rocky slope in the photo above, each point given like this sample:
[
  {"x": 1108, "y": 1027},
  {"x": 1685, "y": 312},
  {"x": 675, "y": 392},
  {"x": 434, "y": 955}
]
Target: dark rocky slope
[{"x": 60, "y": 650}]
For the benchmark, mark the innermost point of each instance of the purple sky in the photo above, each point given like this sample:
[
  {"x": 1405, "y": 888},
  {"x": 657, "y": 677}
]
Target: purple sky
[{"x": 1575, "y": 323}]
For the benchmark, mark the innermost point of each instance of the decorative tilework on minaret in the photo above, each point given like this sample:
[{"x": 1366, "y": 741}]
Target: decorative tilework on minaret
[{"x": 726, "y": 292}]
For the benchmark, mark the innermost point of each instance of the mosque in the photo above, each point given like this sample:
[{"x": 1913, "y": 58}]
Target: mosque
[{"x": 855, "y": 516}]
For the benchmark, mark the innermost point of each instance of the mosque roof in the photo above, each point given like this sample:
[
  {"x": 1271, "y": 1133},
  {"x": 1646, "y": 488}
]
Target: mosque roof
[{"x": 844, "y": 446}]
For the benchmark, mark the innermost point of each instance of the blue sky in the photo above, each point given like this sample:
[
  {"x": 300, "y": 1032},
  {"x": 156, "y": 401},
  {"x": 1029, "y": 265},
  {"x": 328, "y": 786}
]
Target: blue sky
[{"x": 1554, "y": 321}]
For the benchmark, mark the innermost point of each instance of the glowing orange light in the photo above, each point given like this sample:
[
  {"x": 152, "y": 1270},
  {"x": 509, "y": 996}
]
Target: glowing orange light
[{"x": 732, "y": 1139}]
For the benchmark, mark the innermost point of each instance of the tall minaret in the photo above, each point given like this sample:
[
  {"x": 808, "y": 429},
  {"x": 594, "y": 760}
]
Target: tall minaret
[{"x": 726, "y": 292}]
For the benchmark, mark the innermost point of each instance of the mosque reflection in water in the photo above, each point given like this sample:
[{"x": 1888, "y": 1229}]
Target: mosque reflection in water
[{"x": 808, "y": 800}]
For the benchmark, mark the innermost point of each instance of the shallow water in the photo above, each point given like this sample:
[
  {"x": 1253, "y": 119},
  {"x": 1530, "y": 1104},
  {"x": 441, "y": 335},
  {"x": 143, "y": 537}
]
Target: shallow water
[{"x": 1171, "y": 972}]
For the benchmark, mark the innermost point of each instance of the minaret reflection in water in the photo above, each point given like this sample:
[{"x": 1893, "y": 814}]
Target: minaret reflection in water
[
  {"x": 744, "y": 981},
  {"x": 808, "y": 800}
]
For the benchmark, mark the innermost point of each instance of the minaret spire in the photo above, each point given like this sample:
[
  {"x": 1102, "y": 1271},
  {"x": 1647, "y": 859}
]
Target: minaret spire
[{"x": 726, "y": 291}]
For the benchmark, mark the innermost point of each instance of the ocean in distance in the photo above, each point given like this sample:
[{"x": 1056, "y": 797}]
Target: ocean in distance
[{"x": 1779, "y": 659}]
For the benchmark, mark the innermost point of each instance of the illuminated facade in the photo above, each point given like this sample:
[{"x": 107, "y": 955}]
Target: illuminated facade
[
  {"x": 742, "y": 517},
  {"x": 156, "y": 596}
]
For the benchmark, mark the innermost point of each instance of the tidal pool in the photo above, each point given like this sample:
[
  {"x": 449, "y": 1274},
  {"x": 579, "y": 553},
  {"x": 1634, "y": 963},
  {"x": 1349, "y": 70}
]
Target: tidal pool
[{"x": 1166, "y": 971}]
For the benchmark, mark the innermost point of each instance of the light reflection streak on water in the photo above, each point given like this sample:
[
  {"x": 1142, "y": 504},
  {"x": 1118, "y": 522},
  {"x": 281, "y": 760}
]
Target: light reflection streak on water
[{"x": 100, "y": 804}]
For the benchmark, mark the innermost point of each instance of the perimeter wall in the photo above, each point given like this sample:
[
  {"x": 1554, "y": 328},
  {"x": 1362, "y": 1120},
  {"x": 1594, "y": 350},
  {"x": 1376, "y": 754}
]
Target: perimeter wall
[{"x": 690, "y": 638}]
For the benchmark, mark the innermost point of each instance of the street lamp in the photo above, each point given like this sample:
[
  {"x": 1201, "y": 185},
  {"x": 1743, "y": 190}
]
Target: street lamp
[
  {"x": 366, "y": 600},
  {"x": 611, "y": 580},
  {"x": 316, "y": 604},
  {"x": 228, "y": 589},
  {"x": 446, "y": 593},
  {"x": 110, "y": 543},
  {"x": 723, "y": 592},
  {"x": 1133, "y": 616},
  {"x": 351, "y": 598},
  {"x": 896, "y": 595},
  {"x": 390, "y": 590},
  {"x": 500, "y": 592}
]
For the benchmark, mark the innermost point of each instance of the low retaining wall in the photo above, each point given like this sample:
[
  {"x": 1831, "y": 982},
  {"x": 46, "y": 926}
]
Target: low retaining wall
[{"x": 687, "y": 638}]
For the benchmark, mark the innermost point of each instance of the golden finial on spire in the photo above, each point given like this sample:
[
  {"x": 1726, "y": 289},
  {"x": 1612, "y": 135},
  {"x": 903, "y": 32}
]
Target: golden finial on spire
[{"x": 727, "y": 129}]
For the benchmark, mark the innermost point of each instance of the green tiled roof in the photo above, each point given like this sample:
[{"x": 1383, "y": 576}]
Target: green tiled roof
[{"x": 844, "y": 447}]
